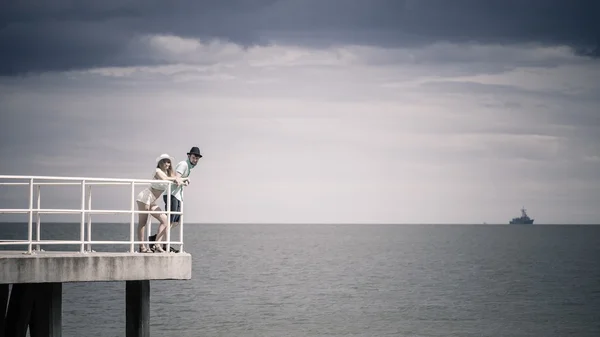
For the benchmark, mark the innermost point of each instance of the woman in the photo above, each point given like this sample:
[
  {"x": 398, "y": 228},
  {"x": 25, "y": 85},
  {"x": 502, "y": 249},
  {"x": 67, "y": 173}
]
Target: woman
[{"x": 146, "y": 200}]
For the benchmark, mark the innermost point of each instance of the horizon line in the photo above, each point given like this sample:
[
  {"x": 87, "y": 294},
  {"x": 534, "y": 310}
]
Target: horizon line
[{"x": 331, "y": 223}]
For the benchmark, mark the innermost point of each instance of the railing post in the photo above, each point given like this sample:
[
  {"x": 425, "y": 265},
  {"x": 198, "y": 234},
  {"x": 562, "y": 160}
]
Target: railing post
[
  {"x": 181, "y": 229},
  {"x": 30, "y": 224},
  {"x": 38, "y": 233},
  {"x": 168, "y": 229},
  {"x": 131, "y": 231},
  {"x": 89, "y": 219},
  {"x": 82, "y": 228}
]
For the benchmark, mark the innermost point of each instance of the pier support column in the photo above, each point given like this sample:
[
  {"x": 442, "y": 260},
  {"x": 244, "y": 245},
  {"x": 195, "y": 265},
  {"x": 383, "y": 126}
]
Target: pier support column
[
  {"x": 33, "y": 306},
  {"x": 46, "y": 317},
  {"x": 137, "y": 311},
  {"x": 3, "y": 305},
  {"x": 20, "y": 306}
]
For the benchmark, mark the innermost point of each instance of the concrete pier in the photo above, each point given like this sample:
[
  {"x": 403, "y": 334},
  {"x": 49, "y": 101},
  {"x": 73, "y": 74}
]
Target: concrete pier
[{"x": 35, "y": 300}]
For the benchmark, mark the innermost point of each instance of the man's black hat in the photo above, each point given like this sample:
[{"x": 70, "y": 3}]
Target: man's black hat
[{"x": 196, "y": 151}]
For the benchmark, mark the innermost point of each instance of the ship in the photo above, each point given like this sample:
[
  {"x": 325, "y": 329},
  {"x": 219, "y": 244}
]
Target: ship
[{"x": 524, "y": 219}]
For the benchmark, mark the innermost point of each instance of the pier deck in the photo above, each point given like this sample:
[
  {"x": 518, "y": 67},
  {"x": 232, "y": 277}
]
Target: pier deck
[{"x": 44, "y": 267}]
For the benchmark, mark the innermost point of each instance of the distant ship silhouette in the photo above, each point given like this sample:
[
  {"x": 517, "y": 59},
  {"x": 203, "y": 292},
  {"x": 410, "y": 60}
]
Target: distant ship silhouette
[{"x": 524, "y": 219}]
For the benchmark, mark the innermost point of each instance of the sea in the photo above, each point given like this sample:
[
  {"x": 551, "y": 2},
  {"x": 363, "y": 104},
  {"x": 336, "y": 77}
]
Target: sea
[{"x": 355, "y": 280}]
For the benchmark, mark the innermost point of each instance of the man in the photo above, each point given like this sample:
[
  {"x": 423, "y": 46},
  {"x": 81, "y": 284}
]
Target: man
[{"x": 182, "y": 170}]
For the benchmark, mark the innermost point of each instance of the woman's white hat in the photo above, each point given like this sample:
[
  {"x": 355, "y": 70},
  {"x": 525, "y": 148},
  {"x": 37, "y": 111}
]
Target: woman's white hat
[{"x": 164, "y": 156}]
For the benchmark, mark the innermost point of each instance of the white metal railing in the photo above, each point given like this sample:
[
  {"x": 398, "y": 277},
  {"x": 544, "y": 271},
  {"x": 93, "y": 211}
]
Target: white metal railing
[{"x": 36, "y": 182}]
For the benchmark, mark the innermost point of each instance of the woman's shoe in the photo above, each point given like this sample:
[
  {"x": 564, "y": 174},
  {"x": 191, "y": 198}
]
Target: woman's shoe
[{"x": 144, "y": 249}]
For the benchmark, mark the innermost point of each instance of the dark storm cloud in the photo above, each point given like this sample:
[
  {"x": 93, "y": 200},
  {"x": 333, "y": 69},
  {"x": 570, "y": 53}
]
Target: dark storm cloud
[{"x": 62, "y": 35}]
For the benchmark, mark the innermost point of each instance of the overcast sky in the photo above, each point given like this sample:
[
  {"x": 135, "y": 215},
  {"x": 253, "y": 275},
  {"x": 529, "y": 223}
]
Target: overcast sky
[{"x": 318, "y": 111}]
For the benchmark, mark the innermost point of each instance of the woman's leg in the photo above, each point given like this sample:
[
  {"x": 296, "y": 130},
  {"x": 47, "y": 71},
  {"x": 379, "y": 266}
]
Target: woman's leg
[
  {"x": 161, "y": 228},
  {"x": 142, "y": 222}
]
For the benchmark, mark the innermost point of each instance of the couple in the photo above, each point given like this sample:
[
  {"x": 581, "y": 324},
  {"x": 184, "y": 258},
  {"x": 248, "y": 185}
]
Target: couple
[{"x": 146, "y": 200}]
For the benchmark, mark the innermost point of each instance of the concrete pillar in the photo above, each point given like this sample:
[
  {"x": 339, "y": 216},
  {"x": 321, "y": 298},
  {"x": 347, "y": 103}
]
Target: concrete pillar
[
  {"x": 3, "y": 305},
  {"x": 19, "y": 309},
  {"x": 46, "y": 316},
  {"x": 137, "y": 311}
]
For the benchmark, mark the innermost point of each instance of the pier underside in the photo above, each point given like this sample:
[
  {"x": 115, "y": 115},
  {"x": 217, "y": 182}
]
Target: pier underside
[{"x": 34, "y": 301}]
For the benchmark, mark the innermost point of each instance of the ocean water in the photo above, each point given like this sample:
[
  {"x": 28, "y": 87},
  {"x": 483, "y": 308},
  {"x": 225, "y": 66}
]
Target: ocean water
[{"x": 358, "y": 280}]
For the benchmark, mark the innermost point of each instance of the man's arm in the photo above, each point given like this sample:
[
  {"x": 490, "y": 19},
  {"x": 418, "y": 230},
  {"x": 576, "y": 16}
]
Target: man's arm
[{"x": 180, "y": 170}]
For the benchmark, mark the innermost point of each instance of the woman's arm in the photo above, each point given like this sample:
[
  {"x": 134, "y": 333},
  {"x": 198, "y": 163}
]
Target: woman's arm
[{"x": 162, "y": 176}]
